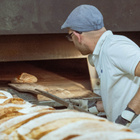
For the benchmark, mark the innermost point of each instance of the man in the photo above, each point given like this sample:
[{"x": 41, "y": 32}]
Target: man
[{"x": 117, "y": 62}]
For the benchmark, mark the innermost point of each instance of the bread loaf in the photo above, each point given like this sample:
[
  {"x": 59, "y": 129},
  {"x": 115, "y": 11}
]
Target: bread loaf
[
  {"x": 4, "y": 95},
  {"x": 25, "y": 78},
  {"x": 108, "y": 135},
  {"x": 20, "y": 120}
]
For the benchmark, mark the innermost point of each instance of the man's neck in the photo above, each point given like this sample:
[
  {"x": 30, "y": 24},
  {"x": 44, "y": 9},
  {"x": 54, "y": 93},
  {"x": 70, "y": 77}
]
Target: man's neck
[{"x": 95, "y": 36}]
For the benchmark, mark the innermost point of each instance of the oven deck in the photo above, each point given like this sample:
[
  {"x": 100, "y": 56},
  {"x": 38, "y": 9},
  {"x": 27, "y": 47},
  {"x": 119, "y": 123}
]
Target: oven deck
[{"x": 61, "y": 78}]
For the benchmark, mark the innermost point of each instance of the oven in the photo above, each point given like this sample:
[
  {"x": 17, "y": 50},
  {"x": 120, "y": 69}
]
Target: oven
[{"x": 31, "y": 41}]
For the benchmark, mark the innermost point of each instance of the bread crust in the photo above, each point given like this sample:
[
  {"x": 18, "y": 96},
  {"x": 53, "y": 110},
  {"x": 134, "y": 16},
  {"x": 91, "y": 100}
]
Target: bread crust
[
  {"x": 25, "y": 78},
  {"x": 22, "y": 120}
]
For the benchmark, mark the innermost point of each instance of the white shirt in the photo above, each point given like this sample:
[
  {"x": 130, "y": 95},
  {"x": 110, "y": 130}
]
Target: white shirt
[{"x": 115, "y": 58}]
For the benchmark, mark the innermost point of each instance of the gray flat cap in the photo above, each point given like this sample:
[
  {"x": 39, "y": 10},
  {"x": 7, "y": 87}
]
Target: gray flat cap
[{"x": 84, "y": 18}]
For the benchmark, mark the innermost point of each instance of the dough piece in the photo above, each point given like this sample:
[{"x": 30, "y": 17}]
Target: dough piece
[{"x": 25, "y": 78}]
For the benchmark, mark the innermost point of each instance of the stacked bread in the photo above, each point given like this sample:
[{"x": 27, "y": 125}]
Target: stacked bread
[{"x": 21, "y": 120}]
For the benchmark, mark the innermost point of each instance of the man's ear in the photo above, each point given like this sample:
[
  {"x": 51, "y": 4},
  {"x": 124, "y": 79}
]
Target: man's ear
[{"x": 77, "y": 35}]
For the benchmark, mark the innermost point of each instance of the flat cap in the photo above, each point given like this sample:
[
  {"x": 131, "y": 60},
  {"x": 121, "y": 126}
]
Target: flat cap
[{"x": 84, "y": 18}]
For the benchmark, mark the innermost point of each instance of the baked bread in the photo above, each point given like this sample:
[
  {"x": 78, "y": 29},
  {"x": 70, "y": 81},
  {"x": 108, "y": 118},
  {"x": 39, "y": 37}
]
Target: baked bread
[
  {"x": 25, "y": 78},
  {"x": 21, "y": 120},
  {"x": 4, "y": 95},
  {"x": 108, "y": 135}
]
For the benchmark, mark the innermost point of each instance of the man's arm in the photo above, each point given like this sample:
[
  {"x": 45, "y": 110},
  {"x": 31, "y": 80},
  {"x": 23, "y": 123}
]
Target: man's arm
[
  {"x": 131, "y": 112},
  {"x": 134, "y": 104},
  {"x": 133, "y": 108},
  {"x": 137, "y": 70}
]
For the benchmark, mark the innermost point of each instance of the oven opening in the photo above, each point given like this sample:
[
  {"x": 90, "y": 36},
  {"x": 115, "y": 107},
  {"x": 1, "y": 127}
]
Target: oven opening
[{"x": 65, "y": 78}]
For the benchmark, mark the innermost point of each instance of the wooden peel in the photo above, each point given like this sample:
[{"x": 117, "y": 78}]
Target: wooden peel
[
  {"x": 64, "y": 91},
  {"x": 41, "y": 90},
  {"x": 59, "y": 100},
  {"x": 33, "y": 88}
]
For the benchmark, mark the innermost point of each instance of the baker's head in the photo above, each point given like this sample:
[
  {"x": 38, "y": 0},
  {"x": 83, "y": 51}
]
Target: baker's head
[{"x": 84, "y": 18}]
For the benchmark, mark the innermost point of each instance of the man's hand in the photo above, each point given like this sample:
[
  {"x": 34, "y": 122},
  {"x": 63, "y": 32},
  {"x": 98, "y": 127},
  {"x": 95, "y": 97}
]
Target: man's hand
[
  {"x": 91, "y": 106},
  {"x": 99, "y": 106},
  {"x": 96, "y": 108}
]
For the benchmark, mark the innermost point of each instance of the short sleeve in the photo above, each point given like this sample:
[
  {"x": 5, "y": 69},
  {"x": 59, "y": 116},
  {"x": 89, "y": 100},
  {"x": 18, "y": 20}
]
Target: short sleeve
[{"x": 125, "y": 56}]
